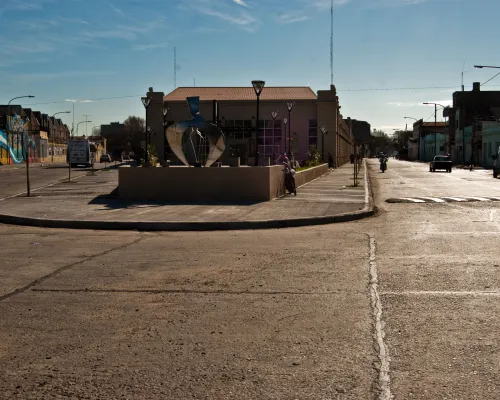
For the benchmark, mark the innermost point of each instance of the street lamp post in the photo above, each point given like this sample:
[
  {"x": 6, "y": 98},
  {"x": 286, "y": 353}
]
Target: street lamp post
[
  {"x": 52, "y": 129},
  {"x": 323, "y": 133},
  {"x": 82, "y": 122},
  {"x": 146, "y": 101},
  {"x": 287, "y": 146},
  {"x": 289, "y": 106},
  {"x": 435, "y": 124},
  {"x": 165, "y": 125},
  {"x": 26, "y": 147},
  {"x": 274, "y": 115},
  {"x": 257, "y": 87},
  {"x": 486, "y": 66}
]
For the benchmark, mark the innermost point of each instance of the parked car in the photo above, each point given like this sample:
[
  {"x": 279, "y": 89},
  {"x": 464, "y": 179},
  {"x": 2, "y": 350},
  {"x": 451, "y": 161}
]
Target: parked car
[
  {"x": 440, "y": 162},
  {"x": 125, "y": 158},
  {"x": 105, "y": 158}
]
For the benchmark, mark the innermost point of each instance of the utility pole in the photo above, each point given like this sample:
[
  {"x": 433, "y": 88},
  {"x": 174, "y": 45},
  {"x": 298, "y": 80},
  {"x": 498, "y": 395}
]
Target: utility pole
[
  {"x": 86, "y": 122},
  {"x": 331, "y": 44},
  {"x": 175, "y": 67}
]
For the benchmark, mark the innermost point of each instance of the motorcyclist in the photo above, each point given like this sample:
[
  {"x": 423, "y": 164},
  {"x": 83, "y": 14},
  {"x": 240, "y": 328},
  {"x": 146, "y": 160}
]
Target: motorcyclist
[{"x": 383, "y": 162}]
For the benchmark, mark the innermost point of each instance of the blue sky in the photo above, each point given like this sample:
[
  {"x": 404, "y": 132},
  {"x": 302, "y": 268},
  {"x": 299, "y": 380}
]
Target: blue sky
[{"x": 86, "y": 50}]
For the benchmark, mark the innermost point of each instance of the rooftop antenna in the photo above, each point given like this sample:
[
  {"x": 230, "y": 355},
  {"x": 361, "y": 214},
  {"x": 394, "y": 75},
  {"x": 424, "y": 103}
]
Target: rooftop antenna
[
  {"x": 463, "y": 68},
  {"x": 175, "y": 67},
  {"x": 331, "y": 44}
]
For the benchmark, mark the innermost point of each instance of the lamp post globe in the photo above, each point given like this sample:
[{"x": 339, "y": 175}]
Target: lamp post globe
[
  {"x": 258, "y": 86},
  {"x": 146, "y": 101}
]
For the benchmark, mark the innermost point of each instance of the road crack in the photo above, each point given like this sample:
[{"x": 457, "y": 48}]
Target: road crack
[
  {"x": 65, "y": 268},
  {"x": 383, "y": 365}
]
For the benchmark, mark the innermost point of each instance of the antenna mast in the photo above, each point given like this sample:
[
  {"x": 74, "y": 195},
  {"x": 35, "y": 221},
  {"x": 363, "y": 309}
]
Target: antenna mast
[
  {"x": 175, "y": 67},
  {"x": 331, "y": 45}
]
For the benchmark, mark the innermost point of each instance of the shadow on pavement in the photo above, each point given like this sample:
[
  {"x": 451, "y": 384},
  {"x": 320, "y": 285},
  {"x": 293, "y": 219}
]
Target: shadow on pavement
[{"x": 113, "y": 202}]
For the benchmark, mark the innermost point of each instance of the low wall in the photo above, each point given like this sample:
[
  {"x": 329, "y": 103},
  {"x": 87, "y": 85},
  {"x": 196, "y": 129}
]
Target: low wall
[
  {"x": 303, "y": 177},
  {"x": 184, "y": 184}
]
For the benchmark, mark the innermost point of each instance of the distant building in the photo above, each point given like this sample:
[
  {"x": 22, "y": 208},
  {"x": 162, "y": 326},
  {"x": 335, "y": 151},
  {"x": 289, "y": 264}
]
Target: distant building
[
  {"x": 234, "y": 110},
  {"x": 116, "y": 138},
  {"x": 471, "y": 112},
  {"x": 47, "y": 136}
]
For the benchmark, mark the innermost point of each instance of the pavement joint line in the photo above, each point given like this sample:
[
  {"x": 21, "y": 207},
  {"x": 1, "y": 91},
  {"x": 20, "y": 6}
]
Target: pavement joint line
[
  {"x": 440, "y": 293},
  {"x": 383, "y": 367},
  {"x": 43, "y": 187},
  {"x": 191, "y": 291},
  {"x": 65, "y": 268}
]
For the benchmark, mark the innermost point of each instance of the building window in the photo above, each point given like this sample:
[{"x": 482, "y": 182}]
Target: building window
[
  {"x": 313, "y": 133},
  {"x": 266, "y": 137},
  {"x": 238, "y": 129}
]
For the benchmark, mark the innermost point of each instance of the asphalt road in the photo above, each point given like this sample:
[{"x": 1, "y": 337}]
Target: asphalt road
[
  {"x": 403, "y": 305},
  {"x": 13, "y": 177}
]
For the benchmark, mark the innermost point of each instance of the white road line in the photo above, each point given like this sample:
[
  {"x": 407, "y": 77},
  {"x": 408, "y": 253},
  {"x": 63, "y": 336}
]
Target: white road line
[
  {"x": 413, "y": 200},
  {"x": 455, "y": 198},
  {"x": 384, "y": 379},
  {"x": 479, "y": 198},
  {"x": 434, "y": 199}
]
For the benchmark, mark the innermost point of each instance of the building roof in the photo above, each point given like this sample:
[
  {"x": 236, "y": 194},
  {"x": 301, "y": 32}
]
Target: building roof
[
  {"x": 431, "y": 124},
  {"x": 242, "y": 93}
]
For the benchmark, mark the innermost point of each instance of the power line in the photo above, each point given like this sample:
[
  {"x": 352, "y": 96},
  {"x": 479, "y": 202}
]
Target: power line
[
  {"x": 90, "y": 100},
  {"x": 392, "y": 89},
  {"x": 482, "y": 84}
]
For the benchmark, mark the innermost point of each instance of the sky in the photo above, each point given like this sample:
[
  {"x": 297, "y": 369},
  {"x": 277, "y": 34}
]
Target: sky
[{"x": 100, "y": 56}]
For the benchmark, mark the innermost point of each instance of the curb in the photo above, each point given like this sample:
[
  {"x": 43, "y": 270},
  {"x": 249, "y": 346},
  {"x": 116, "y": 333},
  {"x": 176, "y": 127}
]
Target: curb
[{"x": 368, "y": 211}]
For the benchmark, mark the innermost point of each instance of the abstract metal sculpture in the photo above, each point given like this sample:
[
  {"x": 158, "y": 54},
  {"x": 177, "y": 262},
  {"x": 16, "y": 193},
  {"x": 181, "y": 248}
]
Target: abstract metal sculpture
[{"x": 201, "y": 130}]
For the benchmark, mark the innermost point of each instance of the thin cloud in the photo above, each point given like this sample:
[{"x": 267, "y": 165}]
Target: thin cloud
[
  {"x": 242, "y": 19},
  {"x": 150, "y": 46},
  {"x": 291, "y": 18},
  {"x": 58, "y": 75},
  {"x": 241, "y": 3},
  {"x": 228, "y": 12}
]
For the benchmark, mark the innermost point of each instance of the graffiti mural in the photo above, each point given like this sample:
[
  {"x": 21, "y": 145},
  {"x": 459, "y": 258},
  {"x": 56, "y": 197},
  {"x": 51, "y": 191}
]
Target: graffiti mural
[{"x": 12, "y": 141}]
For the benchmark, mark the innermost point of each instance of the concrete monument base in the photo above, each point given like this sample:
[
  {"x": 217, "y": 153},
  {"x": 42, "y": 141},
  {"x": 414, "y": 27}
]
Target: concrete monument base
[{"x": 187, "y": 184}]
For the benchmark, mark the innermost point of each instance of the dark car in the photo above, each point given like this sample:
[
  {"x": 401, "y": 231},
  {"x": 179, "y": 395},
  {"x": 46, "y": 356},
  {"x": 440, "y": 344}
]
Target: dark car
[
  {"x": 440, "y": 162},
  {"x": 105, "y": 158}
]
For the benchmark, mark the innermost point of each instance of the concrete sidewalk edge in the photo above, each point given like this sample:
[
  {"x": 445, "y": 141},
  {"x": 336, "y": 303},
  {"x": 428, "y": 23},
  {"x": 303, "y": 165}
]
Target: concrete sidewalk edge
[{"x": 366, "y": 212}]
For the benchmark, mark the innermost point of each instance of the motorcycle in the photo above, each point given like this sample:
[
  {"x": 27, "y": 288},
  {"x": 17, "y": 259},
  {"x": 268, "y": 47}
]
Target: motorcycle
[
  {"x": 383, "y": 164},
  {"x": 290, "y": 179}
]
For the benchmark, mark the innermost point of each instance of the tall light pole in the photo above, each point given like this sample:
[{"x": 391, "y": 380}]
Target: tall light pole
[
  {"x": 274, "y": 115},
  {"x": 289, "y": 106},
  {"x": 435, "y": 124},
  {"x": 323, "y": 133},
  {"x": 82, "y": 122},
  {"x": 486, "y": 66},
  {"x": 52, "y": 129},
  {"x": 285, "y": 121},
  {"x": 165, "y": 125},
  {"x": 26, "y": 147},
  {"x": 146, "y": 101},
  {"x": 257, "y": 87}
]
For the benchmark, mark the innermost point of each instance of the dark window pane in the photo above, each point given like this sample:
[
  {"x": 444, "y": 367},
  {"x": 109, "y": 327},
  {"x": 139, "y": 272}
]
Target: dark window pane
[
  {"x": 313, "y": 141},
  {"x": 313, "y": 123}
]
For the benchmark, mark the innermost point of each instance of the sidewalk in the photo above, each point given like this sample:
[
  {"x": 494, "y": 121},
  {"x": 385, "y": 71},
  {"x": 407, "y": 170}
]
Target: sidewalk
[{"x": 89, "y": 203}]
